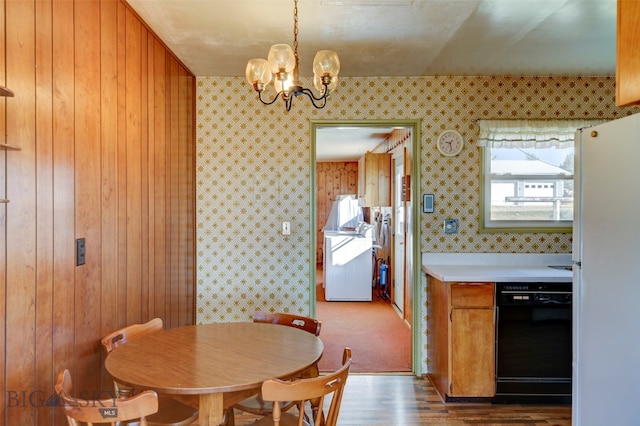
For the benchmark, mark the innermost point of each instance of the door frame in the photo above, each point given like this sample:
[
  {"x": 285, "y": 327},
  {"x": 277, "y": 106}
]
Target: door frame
[{"x": 414, "y": 125}]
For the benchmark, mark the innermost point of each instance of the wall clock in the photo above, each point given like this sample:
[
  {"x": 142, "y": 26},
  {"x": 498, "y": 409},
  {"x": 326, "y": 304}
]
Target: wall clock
[{"x": 450, "y": 143}]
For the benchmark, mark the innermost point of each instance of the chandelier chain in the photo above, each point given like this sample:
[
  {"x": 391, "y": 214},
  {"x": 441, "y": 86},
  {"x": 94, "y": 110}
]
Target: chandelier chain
[{"x": 295, "y": 31}]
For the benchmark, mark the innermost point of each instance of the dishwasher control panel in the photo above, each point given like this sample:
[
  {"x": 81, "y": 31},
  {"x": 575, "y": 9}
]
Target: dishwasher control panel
[{"x": 533, "y": 293}]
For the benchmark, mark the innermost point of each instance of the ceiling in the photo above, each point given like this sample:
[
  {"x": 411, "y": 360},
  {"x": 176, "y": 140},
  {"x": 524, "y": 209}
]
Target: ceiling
[
  {"x": 393, "y": 37},
  {"x": 348, "y": 143}
]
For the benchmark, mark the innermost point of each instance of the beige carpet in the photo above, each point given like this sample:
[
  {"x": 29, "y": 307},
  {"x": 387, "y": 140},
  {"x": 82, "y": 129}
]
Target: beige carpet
[{"x": 379, "y": 339}]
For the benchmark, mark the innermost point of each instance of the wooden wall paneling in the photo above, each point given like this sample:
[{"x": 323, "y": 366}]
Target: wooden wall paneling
[
  {"x": 321, "y": 189},
  {"x": 121, "y": 307},
  {"x": 3, "y": 210},
  {"x": 333, "y": 179},
  {"x": 174, "y": 191},
  {"x": 160, "y": 125},
  {"x": 109, "y": 172},
  {"x": 134, "y": 177},
  {"x": 20, "y": 341},
  {"x": 338, "y": 181},
  {"x": 168, "y": 190},
  {"x": 182, "y": 180},
  {"x": 63, "y": 185},
  {"x": 45, "y": 375},
  {"x": 187, "y": 142},
  {"x": 330, "y": 186},
  {"x": 144, "y": 174},
  {"x": 352, "y": 177},
  {"x": 87, "y": 195},
  {"x": 178, "y": 178},
  {"x": 151, "y": 168},
  {"x": 104, "y": 116}
]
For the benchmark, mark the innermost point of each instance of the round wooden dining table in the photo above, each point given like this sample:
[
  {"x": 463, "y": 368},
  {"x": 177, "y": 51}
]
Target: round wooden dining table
[{"x": 222, "y": 363}]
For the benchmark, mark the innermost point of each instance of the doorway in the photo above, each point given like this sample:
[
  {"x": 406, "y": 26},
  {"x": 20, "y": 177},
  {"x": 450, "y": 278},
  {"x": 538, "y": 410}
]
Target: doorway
[{"x": 404, "y": 170}]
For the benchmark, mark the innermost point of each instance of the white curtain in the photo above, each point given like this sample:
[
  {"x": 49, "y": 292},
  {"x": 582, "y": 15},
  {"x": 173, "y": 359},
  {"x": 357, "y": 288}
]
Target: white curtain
[{"x": 530, "y": 133}]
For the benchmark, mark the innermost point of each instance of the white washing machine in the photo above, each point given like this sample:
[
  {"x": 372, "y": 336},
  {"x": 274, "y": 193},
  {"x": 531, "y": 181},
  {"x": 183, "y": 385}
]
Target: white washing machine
[{"x": 348, "y": 266}]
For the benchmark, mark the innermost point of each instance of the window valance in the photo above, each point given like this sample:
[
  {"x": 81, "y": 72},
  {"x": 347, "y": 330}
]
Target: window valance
[{"x": 530, "y": 133}]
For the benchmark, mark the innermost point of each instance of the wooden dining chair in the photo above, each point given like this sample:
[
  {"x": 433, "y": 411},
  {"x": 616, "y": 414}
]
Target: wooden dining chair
[
  {"x": 306, "y": 390},
  {"x": 307, "y": 324},
  {"x": 171, "y": 412},
  {"x": 256, "y": 404},
  {"x": 111, "y": 411}
]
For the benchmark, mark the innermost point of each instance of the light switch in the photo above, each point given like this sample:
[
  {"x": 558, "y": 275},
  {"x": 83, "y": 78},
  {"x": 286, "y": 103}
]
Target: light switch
[
  {"x": 80, "y": 251},
  {"x": 286, "y": 228}
]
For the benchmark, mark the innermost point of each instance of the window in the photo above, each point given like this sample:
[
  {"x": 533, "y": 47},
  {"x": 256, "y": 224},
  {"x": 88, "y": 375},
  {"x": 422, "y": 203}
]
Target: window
[{"x": 527, "y": 174}]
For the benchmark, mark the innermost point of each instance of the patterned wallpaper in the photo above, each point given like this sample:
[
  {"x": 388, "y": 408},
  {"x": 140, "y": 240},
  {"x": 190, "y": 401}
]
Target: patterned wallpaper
[{"x": 253, "y": 172}]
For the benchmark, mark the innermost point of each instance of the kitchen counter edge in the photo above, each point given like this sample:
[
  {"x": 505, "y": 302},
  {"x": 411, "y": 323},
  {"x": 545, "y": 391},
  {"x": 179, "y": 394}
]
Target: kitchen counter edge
[{"x": 497, "y": 268}]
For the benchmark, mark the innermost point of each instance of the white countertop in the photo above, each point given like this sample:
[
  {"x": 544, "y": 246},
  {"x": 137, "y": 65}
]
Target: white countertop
[{"x": 488, "y": 267}]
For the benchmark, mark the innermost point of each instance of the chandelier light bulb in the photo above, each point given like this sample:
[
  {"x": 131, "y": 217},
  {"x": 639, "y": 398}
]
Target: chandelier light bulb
[
  {"x": 326, "y": 62},
  {"x": 258, "y": 72},
  {"x": 281, "y": 58}
]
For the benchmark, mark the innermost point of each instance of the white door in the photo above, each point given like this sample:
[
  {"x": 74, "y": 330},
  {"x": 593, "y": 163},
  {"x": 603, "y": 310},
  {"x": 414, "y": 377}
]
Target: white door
[{"x": 398, "y": 232}]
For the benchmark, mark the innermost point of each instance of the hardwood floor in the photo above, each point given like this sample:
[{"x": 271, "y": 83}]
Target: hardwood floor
[{"x": 405, "y": 400}]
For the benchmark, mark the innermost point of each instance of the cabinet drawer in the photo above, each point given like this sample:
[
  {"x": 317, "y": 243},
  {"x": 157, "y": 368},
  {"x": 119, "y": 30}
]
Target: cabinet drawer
[{"x": 472, "y": 295}]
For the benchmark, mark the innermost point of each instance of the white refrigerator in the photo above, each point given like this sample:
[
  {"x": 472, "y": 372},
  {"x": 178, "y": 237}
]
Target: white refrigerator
[{"x": 606, "y": 275}]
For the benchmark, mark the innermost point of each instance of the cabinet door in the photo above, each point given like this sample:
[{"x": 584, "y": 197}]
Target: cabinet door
[
  {"x": 627, "y": 53},
  {"x": 438, "y": 334},
  {"x": 374, "y": 179},
  {"x": 472, "y": 352}
]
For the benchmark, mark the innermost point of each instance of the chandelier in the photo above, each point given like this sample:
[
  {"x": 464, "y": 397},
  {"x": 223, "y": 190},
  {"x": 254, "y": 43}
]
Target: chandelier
[{"x": 282, "y": 67}]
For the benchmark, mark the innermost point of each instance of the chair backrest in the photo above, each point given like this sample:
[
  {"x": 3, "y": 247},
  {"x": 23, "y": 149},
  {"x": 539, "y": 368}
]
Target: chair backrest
[
  {"x": 103, "y": 411},
  {"x": 307, "y": 324},
  {"x": 304, "y": 390},
  {"x": 124, "y": 335},
  {"x": 130, "y": 332}
]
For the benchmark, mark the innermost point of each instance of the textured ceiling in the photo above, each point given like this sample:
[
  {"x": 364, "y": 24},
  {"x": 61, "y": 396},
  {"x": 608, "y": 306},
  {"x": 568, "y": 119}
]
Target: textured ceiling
[
  {"x": 391, "y": 38},
  {"x": 394, "y": 37}
]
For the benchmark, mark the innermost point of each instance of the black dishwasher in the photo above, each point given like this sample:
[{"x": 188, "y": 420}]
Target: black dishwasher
[{"x": 533, "y": 343}]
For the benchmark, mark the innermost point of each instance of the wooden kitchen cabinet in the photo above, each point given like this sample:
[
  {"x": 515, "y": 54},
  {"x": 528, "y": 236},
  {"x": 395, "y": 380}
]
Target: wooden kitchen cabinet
[
  {"x": 628, "y": 53},
  {"x": 461, "y": 338},
  {"x": 374, "y": 179}
]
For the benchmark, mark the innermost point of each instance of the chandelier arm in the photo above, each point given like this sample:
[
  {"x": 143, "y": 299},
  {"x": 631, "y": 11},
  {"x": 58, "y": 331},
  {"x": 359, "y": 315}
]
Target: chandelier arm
[
  {"x": 268, "y": 102},
  {"x": 313, "y": 99},
  {"x": 309, "y": 92}
]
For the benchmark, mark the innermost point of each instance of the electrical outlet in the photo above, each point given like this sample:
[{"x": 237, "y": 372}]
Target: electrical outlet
[
  {"x": 286, "y": 228},
  {"x": 81, "y": 251},
  {"x": 451, "y": 226}
]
